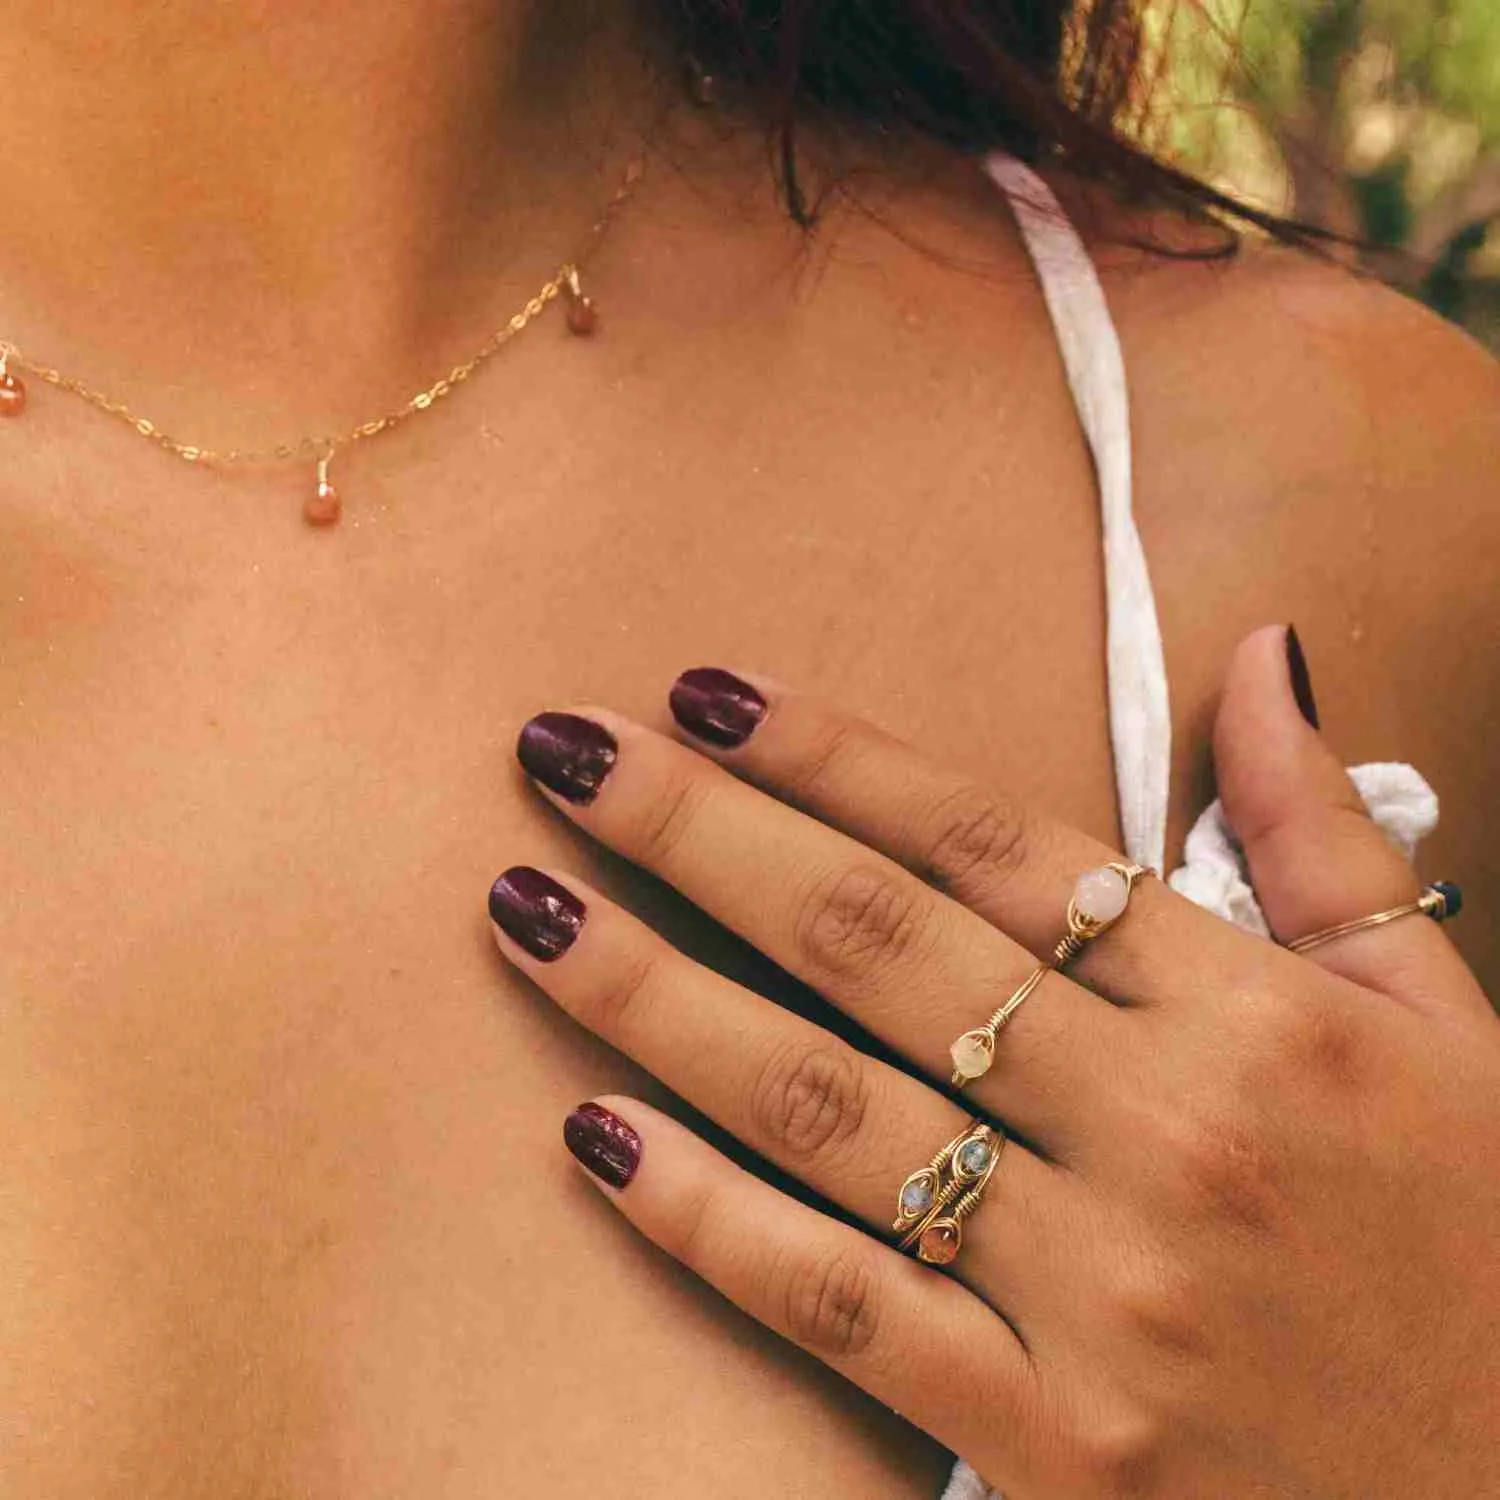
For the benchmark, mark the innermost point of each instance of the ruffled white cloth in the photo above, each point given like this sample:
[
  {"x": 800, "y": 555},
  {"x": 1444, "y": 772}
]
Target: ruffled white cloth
[
  {"x": 1213, "y": 869},
  {"x": 1213, "y": 872}
]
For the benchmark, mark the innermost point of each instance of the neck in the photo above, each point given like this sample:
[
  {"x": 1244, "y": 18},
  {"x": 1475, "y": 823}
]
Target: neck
[{"x": 201, "y": 189}]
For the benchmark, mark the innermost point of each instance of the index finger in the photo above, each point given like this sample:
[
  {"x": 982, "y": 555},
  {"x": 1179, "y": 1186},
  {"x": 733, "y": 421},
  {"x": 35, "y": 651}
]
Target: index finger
[{"x": 1006, "y": 862}]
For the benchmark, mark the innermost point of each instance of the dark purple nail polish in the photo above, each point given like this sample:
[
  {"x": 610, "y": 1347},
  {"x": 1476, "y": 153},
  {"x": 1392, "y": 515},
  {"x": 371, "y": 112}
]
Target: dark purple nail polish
[
  {"x": 604, "y": 1143},
  {"x": 717, "y": 706},
  {"x": 1296, "y": 666},
  {"x": 568, "y": 755},
  {"x": 533, "y": 910}
]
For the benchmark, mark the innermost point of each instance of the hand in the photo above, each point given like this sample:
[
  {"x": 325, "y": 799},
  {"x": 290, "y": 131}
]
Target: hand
[{"x": 1244, "y": 1237}]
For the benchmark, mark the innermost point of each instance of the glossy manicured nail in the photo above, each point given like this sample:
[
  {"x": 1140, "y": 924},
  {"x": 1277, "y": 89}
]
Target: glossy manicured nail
[
  {"x": 604, "y": 1143},
  {"x": 536, "y": 912},
  {"x": 717, "y": 706},
  {"x": 568, "y": 755},
  {"x": 1296, "y": 666}
]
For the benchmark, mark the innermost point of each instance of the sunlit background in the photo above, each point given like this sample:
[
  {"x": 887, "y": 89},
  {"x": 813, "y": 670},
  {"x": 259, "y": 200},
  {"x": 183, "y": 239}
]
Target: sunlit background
[{"x": 1377, "y": 118}]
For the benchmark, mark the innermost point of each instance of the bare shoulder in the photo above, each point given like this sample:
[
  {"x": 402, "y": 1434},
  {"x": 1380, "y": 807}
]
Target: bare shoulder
[
  {"x": 1310, "y": 446},
  {"x": 1346, "y": 392},
  {"x": 1324, "y": 331},
  {"x": 1351, "y": 440}
]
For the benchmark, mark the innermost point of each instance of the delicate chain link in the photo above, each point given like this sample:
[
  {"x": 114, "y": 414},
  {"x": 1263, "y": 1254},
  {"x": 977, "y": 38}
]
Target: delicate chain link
[{"x": 566, "y": 279}]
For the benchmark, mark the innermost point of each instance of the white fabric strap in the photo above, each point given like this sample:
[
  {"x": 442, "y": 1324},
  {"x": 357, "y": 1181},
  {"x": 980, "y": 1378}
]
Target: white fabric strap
[{"x": 1140, "y": 719}]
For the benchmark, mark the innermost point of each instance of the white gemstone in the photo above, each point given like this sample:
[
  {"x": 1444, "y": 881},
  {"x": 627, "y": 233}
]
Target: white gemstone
[
  {"x": 916, "y": 1197},
  {"x": 971, "y": 1055},
  {"x": 1101, "y": 894},
  {"x": 973, "y": 1157}
]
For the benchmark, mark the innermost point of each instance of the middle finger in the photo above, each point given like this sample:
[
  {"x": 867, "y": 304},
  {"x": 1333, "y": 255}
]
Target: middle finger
[
  {"x": 910, "y": 965},
  {"x": 847, "y": 1125}
]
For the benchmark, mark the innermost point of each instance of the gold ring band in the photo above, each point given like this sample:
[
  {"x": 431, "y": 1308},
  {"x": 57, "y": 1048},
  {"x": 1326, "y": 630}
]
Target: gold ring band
[
  {"x": 936, "y": 1199},
  {"x": 1439, "y": 901},
  {"x": 1100, "y": 898}
]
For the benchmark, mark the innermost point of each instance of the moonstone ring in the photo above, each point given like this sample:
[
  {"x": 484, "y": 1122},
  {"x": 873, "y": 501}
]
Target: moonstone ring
[
  {"x": 935, "y": 1200},
  {"x": 1100, "y": 898}
]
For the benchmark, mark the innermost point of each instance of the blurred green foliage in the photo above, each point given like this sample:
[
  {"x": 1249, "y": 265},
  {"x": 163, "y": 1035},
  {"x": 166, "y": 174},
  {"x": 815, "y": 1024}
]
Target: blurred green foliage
[{"x": 1377, "y": 118}]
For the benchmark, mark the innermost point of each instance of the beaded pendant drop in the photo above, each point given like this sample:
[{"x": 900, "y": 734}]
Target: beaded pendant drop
[
  {"x": 583, "y": 316},
  {"x": 12, "y": 394},
  {"x": 323, "y": 507}
]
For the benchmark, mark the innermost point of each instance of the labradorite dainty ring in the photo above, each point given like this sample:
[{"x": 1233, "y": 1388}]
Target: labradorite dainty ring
[
  {"x": 1099, "y": 901},
  {"x": 936, "y": 1199},
  {"x": 1441, "y": 900}
]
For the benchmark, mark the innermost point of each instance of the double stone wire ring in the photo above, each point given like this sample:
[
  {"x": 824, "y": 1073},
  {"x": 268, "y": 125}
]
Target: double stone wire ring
[
  {"x": 936, "y": 1199},
  {"x": 1099, "y": 901}
]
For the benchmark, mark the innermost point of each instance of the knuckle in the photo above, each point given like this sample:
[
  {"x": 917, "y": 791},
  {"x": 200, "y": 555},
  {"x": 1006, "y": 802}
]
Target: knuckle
[
  {"x": 667, "y": 821},
  {"x": 1161, "y": 1310},
  {"x": 685, "y": 1235},
  {"x": 613, "y": 1005},
  {"x": 1319, "y": 1043},
  {"x": 829, "y": 750},
  {"x": 861, "y": 920},
  {"x": 832, "y": 1304},
  {"x": 973, "y": 838},
  {"x": 810, "y": 1105},
  {"x": 1121, "y": 1456},
  {"x": 1227, "y": 1171}
]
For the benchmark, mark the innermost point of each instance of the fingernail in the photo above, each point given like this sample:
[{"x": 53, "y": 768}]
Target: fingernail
[
  {"x": 533, "y": 910},
  {"x": 604, "y": 1143},
  {"x": 1296, "y": 666},
  {"x": 568, "y": 755},
  {"x": 717, "y": 706}
]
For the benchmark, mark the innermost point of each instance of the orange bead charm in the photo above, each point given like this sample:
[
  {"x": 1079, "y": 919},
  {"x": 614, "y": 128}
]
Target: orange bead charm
[
  {"x": 12, "y": 396},
  {"x": 324, "y": 507},
  {"x": 583, "y": 316},
  {"x": 940, "y": 1243}
]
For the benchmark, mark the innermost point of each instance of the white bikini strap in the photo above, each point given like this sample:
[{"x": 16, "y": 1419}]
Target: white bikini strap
[{"x": 1139, "y": 714}]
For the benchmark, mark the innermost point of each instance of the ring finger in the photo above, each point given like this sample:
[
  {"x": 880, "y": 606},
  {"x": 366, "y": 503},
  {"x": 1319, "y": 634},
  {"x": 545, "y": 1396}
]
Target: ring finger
[{"x": 847, "y": 1125}]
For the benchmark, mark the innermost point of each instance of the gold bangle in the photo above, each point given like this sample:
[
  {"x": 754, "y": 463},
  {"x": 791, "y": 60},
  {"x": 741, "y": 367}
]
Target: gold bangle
[
  {"x": 936, "y": 1199},
  {"x": 1100, "y": 899},
  {"x": 1440, "y": 900}
]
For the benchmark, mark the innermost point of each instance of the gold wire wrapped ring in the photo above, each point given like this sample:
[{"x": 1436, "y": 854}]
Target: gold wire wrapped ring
[
  {"x": 1100, "y": 899},
  {"x": 1441, "y": 900},
  {"x": 936, "y": 1199}
]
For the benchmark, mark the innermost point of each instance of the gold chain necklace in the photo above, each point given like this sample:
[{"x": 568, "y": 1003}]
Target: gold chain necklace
[{"x": 324, "y": 505}]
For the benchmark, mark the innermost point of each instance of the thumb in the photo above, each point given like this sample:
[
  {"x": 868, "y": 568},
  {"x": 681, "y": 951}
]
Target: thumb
[{"x": 1316, "y": 859}]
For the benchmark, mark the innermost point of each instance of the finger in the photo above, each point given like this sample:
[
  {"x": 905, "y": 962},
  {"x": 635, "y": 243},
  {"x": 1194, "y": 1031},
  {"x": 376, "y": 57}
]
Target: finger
[
  {"x": 911, "y": 966},
  {"x": 1316, "y": 858},
  {"x": 850, "y": 1127},
  {"x": 1000, "y": 859},
  {"x": 915, "y": 1340}
]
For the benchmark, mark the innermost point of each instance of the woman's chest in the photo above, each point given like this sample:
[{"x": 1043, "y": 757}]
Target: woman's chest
[
  {"x": 296, "y": 711},
  {"x": 257, "y": 789}
]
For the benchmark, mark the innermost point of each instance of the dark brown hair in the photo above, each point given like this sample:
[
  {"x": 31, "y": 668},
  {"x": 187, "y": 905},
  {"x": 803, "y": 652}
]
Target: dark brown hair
[{"x": 1039, "y": 78}]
